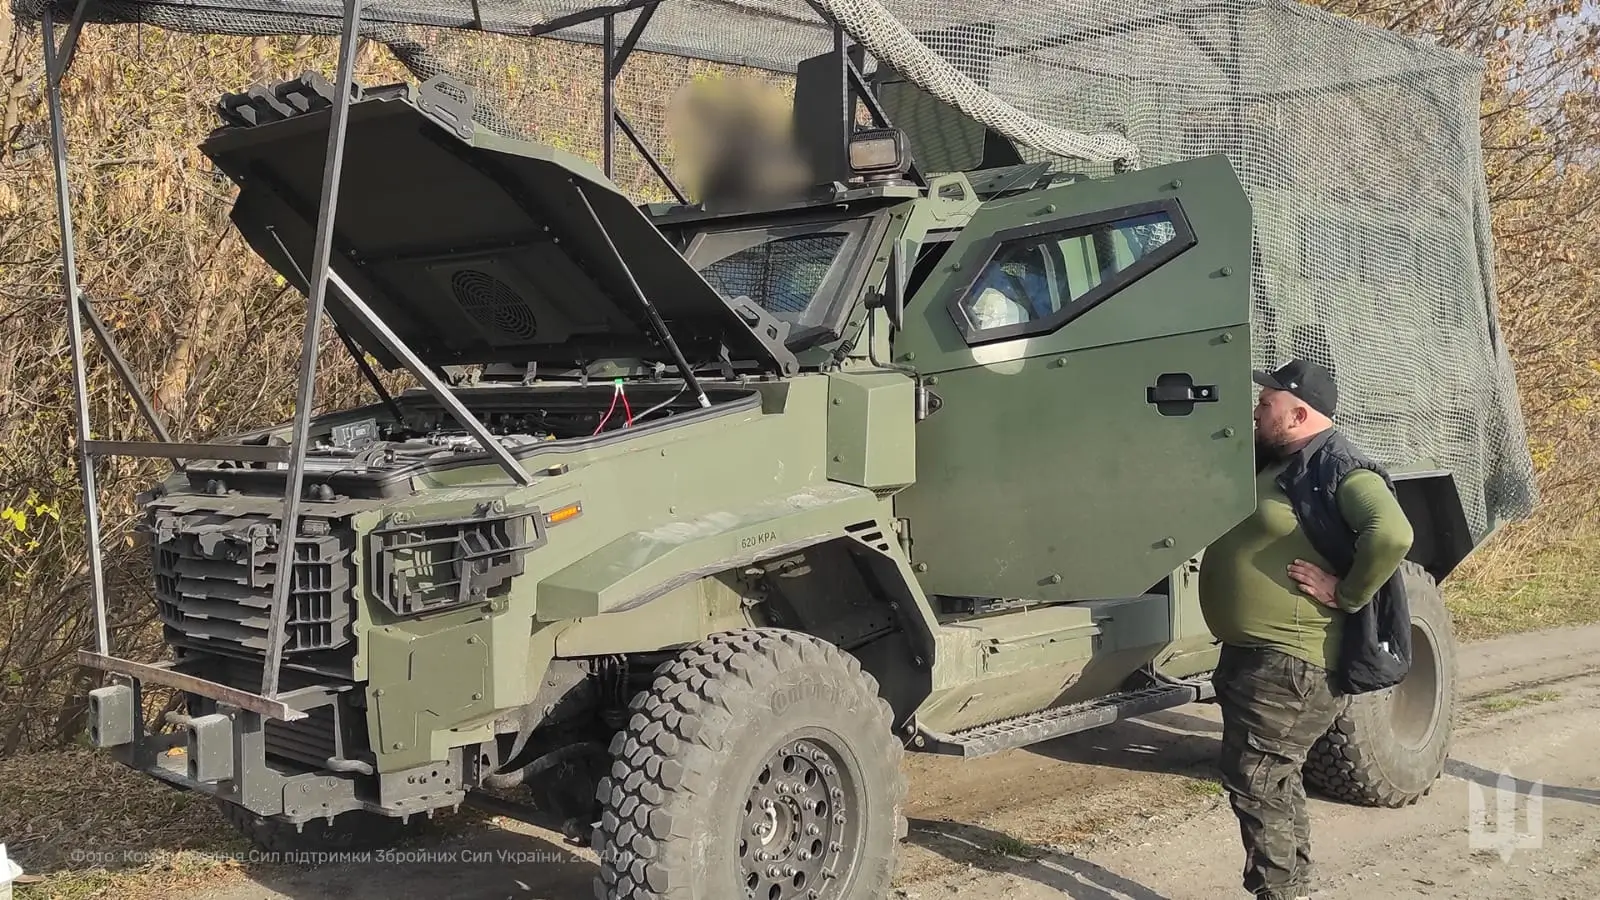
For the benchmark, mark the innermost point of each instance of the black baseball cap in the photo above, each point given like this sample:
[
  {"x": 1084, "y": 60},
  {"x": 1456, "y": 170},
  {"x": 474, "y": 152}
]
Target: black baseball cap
[{"x": 1305, "y": 379}]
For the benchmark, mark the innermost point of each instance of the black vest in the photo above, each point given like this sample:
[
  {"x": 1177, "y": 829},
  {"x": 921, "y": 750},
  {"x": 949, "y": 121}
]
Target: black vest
[{"x": 1375, "y": 648}]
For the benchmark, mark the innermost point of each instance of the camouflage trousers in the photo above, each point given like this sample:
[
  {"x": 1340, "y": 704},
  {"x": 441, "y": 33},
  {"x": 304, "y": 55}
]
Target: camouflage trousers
[{"x": 1274, "y": 708}]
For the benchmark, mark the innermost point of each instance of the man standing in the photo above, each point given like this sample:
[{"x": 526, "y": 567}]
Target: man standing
[{"x": 1268, "y": 594}]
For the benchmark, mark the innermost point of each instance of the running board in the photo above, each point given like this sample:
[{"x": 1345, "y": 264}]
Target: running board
[{"x": 1053, "y": 723}]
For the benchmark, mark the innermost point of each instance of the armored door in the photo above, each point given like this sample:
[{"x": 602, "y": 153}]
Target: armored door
[{"x": 1088, "y": 352}]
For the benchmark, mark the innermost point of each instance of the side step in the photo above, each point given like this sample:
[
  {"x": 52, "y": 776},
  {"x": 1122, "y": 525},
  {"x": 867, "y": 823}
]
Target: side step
[{"x": 1053, "y": 723}]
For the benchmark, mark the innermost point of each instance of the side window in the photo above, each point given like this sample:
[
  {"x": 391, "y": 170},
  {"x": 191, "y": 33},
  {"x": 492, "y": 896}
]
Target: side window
[{"x": 1039, "y": 278}]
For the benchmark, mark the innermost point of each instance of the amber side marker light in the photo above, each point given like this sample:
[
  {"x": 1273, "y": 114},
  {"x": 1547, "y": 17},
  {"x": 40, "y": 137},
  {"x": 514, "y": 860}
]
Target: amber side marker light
[{"x": 557, "y": 516}]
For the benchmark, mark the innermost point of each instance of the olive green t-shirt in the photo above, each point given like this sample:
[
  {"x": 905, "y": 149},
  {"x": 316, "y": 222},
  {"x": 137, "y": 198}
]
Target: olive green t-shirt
[{"x": 1248, "y": 597}]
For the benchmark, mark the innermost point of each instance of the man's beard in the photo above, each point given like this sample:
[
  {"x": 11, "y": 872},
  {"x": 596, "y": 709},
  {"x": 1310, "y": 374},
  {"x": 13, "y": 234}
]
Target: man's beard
[
  {"x": 1267, "y": 453},
  {"x": 1269, "y": 450}
]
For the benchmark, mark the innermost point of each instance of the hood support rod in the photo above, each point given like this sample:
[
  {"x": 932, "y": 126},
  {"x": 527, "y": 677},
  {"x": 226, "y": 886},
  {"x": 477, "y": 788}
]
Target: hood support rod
[
  {"x": 662, "y": 333},
  {"x": 381, "y": 330},
  {"x": 344, "y": 337}
]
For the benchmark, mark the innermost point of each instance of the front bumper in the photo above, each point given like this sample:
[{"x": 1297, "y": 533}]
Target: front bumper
[{"x": 224, "y": 750}]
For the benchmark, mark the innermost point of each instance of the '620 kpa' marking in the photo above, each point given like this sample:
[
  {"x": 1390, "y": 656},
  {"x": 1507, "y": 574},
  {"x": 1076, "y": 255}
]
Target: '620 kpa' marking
[{"x": 751, "y": 541}]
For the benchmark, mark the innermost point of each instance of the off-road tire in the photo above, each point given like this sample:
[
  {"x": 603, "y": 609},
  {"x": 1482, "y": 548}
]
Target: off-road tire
[
  {"x": 687, "y": 770},
  {"x": 351, "y": 832},
  {"x": 1389, "y": 747}
]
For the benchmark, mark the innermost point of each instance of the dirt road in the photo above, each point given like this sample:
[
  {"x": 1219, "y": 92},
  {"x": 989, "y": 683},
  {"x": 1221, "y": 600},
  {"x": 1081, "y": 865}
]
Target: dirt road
[{"x": 1130, "y": 813}]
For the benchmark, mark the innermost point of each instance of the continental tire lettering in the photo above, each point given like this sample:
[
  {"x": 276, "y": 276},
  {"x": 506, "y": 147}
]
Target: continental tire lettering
[{"x": 783, "y": 698}]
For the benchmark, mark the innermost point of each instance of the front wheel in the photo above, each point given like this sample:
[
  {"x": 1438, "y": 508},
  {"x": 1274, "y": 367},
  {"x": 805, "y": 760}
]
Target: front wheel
[
  {"x": 1388, "y": 747},
  {"x": 760, "y": 763}
]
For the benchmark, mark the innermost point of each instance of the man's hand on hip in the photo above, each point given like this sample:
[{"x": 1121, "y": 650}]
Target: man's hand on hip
[{"x": 1319, "y": 585}]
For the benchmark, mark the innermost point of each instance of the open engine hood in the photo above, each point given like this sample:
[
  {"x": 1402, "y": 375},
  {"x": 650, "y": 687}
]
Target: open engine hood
[{"x": 472, "y": 247}]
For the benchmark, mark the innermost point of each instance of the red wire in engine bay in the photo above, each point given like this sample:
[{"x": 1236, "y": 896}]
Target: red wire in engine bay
[{"x": 617, "y": 392}]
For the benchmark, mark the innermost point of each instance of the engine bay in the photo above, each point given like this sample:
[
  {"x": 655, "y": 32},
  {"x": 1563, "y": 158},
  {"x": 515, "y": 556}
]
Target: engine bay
[
  {"x": 368, "y": 446},
  {"x": 430, "y": 435},
  {"x": 367, "y": 453}
]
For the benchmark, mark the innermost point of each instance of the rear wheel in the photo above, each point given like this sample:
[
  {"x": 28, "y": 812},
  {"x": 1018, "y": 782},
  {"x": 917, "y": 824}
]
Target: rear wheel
[
  {"x": 759, "y": 764},
  {"x": 1389, "y": 746}
]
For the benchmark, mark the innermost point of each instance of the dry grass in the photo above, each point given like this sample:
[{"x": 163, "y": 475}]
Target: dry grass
[
  {"x": 91, "y": 828},
  {"x": 1527, "y": 580},
  {"x": 1508, "y": 702},
  {"x": 1006, "y": 845},
  {"x": 87, "y": 827}
]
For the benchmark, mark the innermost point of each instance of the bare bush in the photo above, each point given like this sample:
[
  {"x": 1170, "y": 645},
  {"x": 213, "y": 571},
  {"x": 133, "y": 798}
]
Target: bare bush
[{"x": 210, "y": 330}]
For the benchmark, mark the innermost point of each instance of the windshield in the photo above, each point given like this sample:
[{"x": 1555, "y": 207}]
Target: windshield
[
  {"x": 782, "y": 275},
  {"x": 798, "y": 273}
]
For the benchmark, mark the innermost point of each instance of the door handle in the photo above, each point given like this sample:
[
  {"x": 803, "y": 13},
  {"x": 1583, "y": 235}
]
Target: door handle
[{"x": 1175, "y": 394}]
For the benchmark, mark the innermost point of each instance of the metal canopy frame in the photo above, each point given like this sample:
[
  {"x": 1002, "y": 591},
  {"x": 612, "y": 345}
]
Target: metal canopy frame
[{"x": 271, "y": 701}]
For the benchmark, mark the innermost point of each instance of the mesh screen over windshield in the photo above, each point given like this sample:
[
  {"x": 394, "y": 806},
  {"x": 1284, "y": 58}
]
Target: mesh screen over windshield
[{"x": 782, "y": 276}]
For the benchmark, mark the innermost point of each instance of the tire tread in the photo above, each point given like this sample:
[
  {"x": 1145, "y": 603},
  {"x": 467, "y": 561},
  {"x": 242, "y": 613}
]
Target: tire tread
[
  {"x": 674, "y": 748},
  {"x": 1343, "y": 764}
]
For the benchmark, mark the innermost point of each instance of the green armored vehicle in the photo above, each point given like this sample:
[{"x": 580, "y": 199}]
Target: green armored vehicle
[{"x": 771, "y": 495}]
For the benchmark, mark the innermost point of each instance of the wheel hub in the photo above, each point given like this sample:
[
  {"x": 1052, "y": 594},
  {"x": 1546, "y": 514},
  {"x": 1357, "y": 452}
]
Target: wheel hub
[
  {"x": 1414, "y": 703},
  {"x": 796, "y": 825}
]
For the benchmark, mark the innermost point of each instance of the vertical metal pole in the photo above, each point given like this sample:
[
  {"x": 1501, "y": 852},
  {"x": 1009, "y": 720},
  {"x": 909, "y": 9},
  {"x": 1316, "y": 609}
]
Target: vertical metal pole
[
  {"x": 610, "y": 130},
  {"x": 847, "y": 106},
  {"x": 53, "y": 74},
  {"x": 284, "y": 577}
]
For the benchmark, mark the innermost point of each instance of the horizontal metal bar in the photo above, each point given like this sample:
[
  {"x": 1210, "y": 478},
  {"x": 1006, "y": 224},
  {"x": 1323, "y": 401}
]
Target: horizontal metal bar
[
  {"x": 166, "y": 675},
  {"x": 1072, "y": 719},
  {"x": 1098, "y": 32},
  {"x": 583, "y": 17},
  {"x": 179, "y": 450}
]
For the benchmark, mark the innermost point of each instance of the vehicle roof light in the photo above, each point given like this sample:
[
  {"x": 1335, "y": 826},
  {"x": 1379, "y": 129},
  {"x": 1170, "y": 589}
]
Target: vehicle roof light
[{"x": 879, "y": 152}]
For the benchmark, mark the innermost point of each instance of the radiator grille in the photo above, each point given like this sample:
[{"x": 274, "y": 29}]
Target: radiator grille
[
  {"x": 311, "y": 741},
  {"x": 326, "y": 731},
  {"x": 215, "y": 576}
]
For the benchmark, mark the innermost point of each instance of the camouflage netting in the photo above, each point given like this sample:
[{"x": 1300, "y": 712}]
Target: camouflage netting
[{"x": 1360, "y": 151}]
